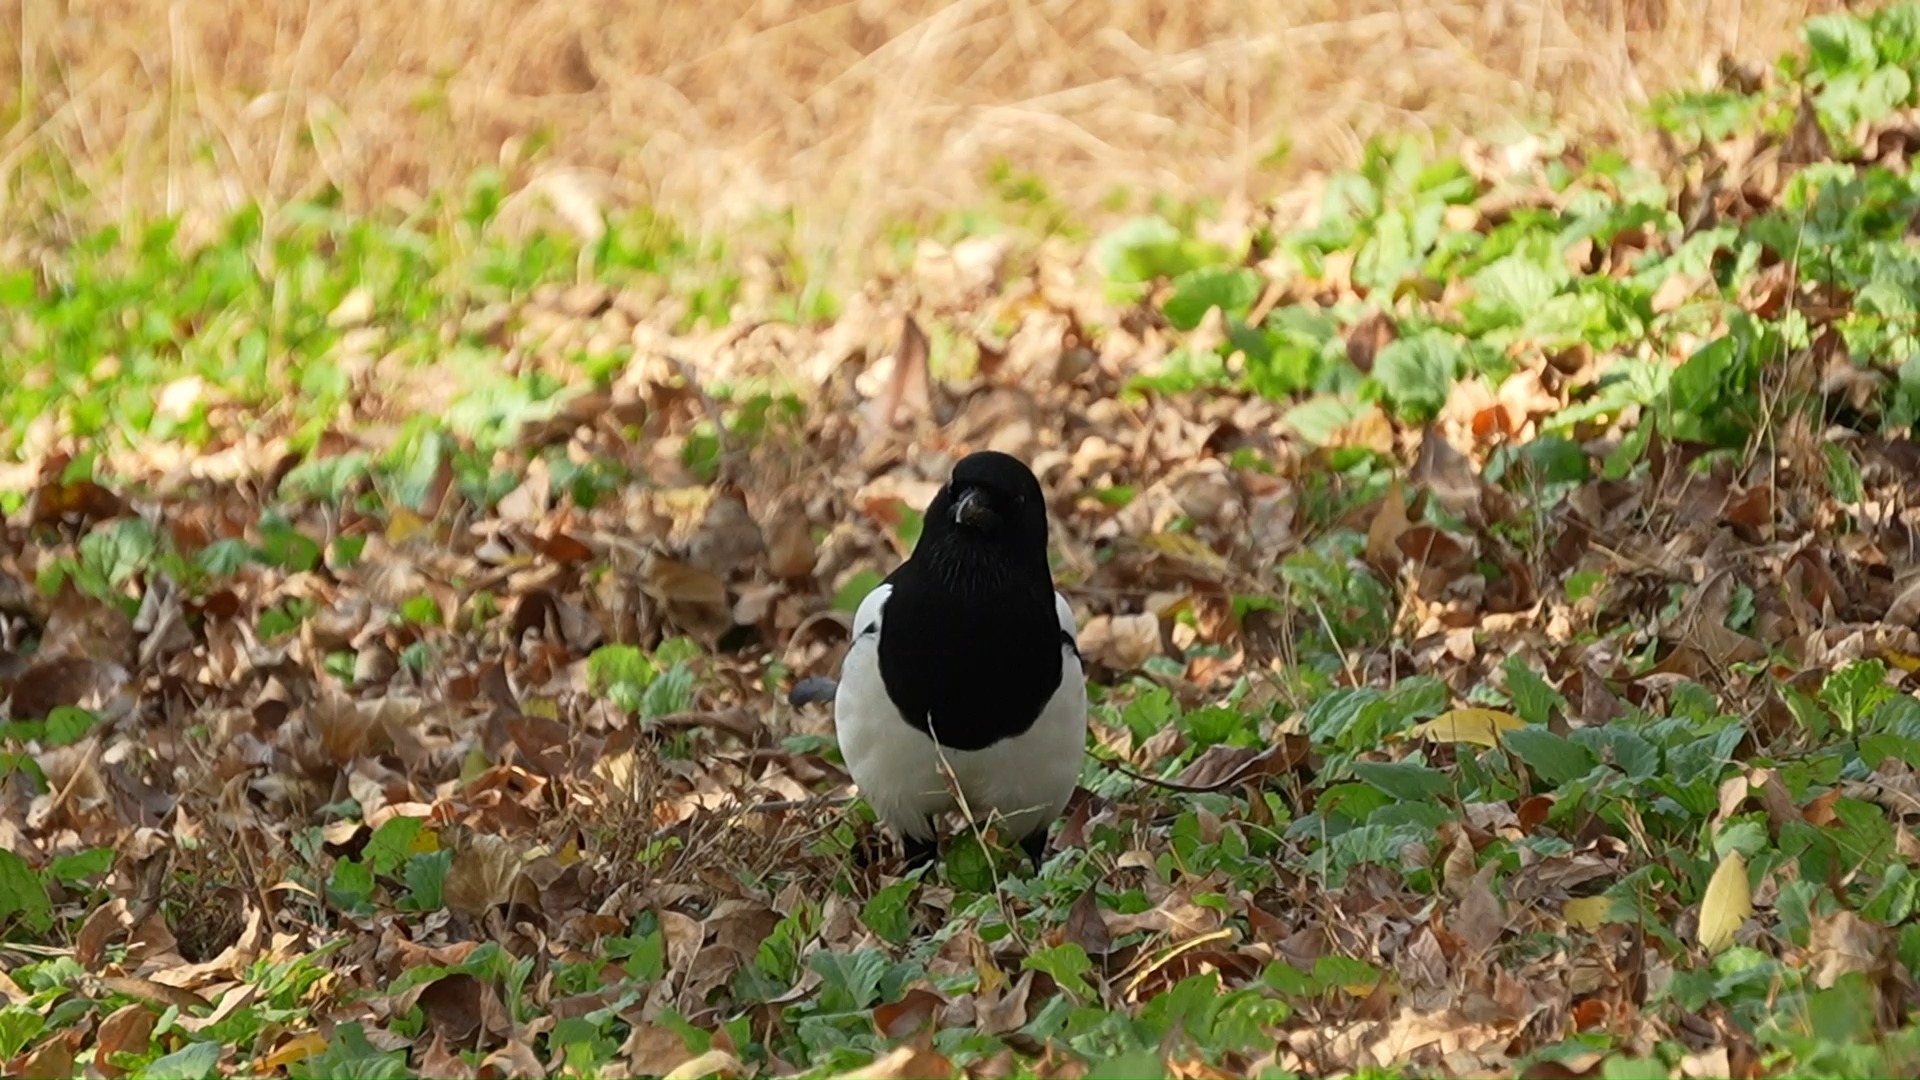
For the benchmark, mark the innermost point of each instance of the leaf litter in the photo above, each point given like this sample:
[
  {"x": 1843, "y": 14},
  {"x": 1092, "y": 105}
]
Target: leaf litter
[{"x": 1459, "y": 711}]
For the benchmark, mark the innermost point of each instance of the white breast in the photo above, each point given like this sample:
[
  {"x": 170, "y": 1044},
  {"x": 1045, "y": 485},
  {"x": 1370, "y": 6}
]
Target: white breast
[{"x": 1021, "y": 783}]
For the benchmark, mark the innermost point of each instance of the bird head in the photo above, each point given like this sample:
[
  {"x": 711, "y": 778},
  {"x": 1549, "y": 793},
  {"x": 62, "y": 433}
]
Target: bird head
[{"x": 991, "y": 511}]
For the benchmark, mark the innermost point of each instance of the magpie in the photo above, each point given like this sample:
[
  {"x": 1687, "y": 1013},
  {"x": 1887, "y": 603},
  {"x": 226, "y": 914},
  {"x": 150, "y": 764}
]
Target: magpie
[{"x": 964, "y": 664}]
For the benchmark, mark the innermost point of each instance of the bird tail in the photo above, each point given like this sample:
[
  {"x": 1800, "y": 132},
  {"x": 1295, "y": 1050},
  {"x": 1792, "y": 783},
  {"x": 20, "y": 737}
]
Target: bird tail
[{"x": 812, "y": 689}]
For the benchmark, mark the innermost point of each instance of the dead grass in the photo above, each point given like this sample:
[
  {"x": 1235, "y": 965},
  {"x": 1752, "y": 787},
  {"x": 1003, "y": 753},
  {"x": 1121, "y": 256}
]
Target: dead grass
[{"x": 854, "y": 113}]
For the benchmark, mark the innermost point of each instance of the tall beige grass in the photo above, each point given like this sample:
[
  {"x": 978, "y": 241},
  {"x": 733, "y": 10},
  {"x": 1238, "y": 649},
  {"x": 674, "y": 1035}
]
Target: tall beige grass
[{"x": 853, "y": 113}]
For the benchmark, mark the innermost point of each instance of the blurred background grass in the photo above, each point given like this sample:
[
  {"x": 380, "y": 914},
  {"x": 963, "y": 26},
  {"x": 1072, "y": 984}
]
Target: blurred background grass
[{"x": 839, "y": 118}]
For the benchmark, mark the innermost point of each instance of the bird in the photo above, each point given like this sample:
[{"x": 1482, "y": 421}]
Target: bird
[{"x": 965, "y": 663}]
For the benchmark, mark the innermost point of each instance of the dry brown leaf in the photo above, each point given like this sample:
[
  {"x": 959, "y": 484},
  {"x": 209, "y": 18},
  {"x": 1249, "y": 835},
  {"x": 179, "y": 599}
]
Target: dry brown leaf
[
  {"x": 1121, "y": 642},
  {"x": 124, "y": 1031},
  {"x": 1004, "y": 1008},
  {"x": 1389, "y": 522},
  {"x": 914, "y": 1011},
  {"x": 483, "y": 873},
  {"x": 51, "y": 1060},
  {"x": 1843, "y": 943},
  {"x": 907, "y": 397},
  {"x": 1086, "y": 927},
  {"x": 908, "y": 1062}
]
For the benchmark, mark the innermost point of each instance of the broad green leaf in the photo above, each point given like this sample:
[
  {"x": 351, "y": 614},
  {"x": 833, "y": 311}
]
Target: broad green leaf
[
  {"x": 1534, "y": 699},
  {"x": 1837, "y": 43},
  {"x": 19, "y": 1025},
  {"x": 392, "y": 843},
  {"x": 888, "y": 913},
  {"x": 1417, "y": 373},
  {"x": 23, "y": 895},
  {"x": 849, "y": 980},
  {"x": 1231, "y": 289},
  {"x": 194, "y": 1061},
  {"x": 1068, "y": 964},
  {"x": 1553, "y": 758},
  {"x": 1405, "y": 780}
]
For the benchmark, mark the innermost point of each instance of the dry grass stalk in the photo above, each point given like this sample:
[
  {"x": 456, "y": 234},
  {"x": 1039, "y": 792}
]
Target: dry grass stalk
[{"x": 855, "y": 112}]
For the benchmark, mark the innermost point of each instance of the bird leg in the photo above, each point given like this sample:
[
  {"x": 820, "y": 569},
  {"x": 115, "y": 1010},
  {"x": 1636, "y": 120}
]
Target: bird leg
[
  {"x": 1035, "y": 845},
  {"x": 919, "y": 852}
]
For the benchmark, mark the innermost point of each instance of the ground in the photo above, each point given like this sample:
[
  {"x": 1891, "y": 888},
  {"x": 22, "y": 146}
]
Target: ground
[{"x": 1493, "y": 560}]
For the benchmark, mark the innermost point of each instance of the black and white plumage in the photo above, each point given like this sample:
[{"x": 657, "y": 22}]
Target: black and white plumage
[{"x": 966, "y": 653}]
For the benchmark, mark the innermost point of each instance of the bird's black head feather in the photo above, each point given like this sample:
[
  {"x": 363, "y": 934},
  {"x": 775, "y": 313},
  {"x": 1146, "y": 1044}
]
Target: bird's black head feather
[{"x": 989, "y": 520}]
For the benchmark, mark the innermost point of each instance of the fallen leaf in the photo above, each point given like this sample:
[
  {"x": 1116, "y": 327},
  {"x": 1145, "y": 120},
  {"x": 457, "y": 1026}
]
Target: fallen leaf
[
  {"x": 1727, "y": 903},
  {"x": 915, "y": 1010},
  {"x": 1121, "y": 642},
  {"x": 711, "y": 1063},
  {"x": 1481, "y": 727},
  {"x": 1587, "y": 912}
]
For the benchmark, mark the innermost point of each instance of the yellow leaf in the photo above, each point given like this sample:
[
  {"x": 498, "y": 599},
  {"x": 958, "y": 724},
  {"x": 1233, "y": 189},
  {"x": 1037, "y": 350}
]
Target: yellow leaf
[
  {"x": 475, "y": 763},
  {"x": 708, "y": 1064},
  {"x": 404, "y": 525},
  {"x": 1728, "y": 902},
  {"x": 298, "y": 1048},
  {"x": 1188, "y": 552},
  {"x": 1481, "y": 727},
  {"x": 1587, "y": 913},
  {"x": 426, "y": 842},
  {"x": 1903, "y": 661}
]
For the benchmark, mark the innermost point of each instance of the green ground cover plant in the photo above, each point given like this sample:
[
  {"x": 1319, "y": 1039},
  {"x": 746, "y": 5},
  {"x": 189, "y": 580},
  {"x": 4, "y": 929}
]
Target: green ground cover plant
[{"x": 1496, "y": 581}]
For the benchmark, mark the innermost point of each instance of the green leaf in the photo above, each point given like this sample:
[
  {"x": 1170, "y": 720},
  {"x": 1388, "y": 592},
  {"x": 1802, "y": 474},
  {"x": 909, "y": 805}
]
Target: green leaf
[
  {"x": 16, "y": 290},
  {"x": 1510, "y": 289},
  {"x": 1625, "y": 748},
  {"x": 1068, "y": 964},
  {"x": 23, "y": 894},
  {"x": 849, "y": 981},
  {"x": 1851, "y": 98},
  {"x": 67, "y": 724},
  {"x": 858, "y": 585},
  {"x": 671, "y": 693},
  {"x": 1231, "y": 289},
  {"x": 1837, "y": 43},
  {"x": 1845, "y": 1012},
  {"x": 623, "y": 673},
  {"x": 351, "y": 887},
  {"x": 19, "y": 1025},
  {"x": 968, "y": 864},
  {"x": 1534, "y": 699},
  {"x": 1130, "y": 1065},
  {"x": 1855, "y": 691},
  {"x": 1553, "y": 758},
  {"x": 1319, "y": 417},
  {"x": 391, "y": 845},
  {"x": 1146, "y": 248},
  {"x": 426, "y": 878},
  {"x": 194, "y": 1061},
  {"x": 1408, "y": 781},
  {"x": 79, "y": 866},
  {"x": 888, "y": 913},
  {"x": 1417, "y": 373},
  {"x": 349, "y": 1056},
  {"x": 1746, "y": 837}
]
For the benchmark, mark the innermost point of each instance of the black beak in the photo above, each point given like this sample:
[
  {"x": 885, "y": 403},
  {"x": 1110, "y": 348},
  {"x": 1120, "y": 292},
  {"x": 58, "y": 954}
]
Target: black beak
[{"x": 973, "y": 510}]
